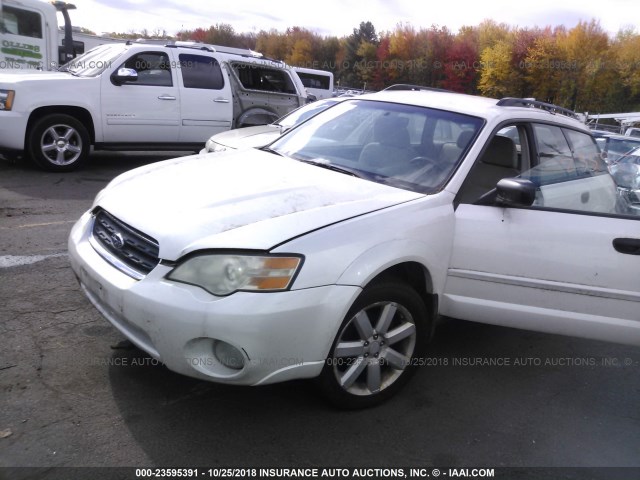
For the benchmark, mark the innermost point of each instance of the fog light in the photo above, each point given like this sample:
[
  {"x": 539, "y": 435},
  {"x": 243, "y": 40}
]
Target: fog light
[{"x": 228, "y": 355}]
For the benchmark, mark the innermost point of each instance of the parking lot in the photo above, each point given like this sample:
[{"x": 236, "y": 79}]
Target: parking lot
[{"x": 73, "y": 393}]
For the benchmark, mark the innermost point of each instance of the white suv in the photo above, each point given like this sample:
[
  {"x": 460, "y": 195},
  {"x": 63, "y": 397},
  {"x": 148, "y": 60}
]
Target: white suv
[
  {"x": 331, "y": 252},
  {"x": 138, "y": 96}
]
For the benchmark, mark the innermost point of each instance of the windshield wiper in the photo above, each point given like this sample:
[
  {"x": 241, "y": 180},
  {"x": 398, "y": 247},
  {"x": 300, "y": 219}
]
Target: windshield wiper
[
  {"x": 271, "y": 150},
  {"x": 335, "y": 168}
]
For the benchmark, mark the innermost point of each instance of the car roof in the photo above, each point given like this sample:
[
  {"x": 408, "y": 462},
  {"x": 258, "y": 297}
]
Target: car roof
[{"x": 483, "y": 107}]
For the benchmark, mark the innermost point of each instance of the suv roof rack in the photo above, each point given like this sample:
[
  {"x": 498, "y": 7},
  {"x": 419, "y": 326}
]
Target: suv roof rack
[
  {"x": 193, "y": 45},
  {"x": 245, "y": 52},
  {"x": 415, "y": 88},
  {"x": 533, "y": 103},
  {"x": 241, "y": 52}
]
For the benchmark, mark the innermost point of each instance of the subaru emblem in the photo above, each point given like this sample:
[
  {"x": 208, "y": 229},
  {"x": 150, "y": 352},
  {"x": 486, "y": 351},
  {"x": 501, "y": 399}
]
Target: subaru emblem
[{"x": 117, "y": 240}]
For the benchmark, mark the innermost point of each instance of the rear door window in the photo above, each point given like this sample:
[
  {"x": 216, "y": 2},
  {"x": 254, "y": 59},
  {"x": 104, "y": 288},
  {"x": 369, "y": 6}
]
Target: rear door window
[{"x": 199, "y": 71}]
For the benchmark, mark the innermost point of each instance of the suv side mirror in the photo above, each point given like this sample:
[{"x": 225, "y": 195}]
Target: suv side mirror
[
  {"x": 124, "y": 75},
  {"x": 515, "y": 192}
]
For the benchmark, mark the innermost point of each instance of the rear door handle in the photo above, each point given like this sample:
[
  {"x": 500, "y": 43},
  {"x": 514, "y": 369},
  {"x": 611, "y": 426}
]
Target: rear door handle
[
  {"x": 166, "y": 97},
  {"x": 629, "y": 246},
  {"x": 221, "y": 100}
]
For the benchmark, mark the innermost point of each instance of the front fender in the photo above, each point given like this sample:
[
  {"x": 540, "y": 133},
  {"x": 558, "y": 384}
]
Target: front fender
[{"x": 387, "y": 255}]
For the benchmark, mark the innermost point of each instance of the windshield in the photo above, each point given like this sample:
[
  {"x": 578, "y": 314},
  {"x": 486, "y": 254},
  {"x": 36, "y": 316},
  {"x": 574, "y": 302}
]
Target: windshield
[
  {"x": 405, "y": 146},
  {"x": 95, "y": 61},
  {"x": 304, "y": 113}
]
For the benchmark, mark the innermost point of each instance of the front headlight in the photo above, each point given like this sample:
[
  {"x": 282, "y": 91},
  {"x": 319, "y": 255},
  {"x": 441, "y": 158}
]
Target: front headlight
[
  {"x": 6, "y": 99},
  {"x": 224, "y": 274}
]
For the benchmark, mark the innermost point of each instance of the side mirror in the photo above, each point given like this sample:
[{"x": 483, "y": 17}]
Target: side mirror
[
  {"x": 515, "y": 192},
  {"x": 124, "y": 75}
]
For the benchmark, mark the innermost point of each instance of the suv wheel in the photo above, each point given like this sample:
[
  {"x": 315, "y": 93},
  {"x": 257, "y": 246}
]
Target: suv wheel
[
  {"x": 376, "y": 348},
  {"x": 58, "y": 143}
]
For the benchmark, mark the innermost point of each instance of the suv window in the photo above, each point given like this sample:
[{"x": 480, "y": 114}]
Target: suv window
[
  {"x": 257, "y": 77},
  {"x": 199, "y": 71},
  {"x": 154, "y": 69}
]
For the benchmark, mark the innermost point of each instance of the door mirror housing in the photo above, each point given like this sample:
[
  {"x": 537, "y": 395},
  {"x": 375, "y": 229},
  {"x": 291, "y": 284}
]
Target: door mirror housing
[
  {"x": 124, "y": 75},
  {"x": 515, "y": 192}
]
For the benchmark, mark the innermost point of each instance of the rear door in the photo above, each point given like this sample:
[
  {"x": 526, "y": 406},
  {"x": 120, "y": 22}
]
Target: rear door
[
  {"x": 569, "y": 264},
  {"x": 206, "y": 106}
]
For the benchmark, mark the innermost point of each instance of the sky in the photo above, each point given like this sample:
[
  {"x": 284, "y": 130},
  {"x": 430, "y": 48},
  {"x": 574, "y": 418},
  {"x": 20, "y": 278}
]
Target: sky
[{"x": 340, "y": 17}]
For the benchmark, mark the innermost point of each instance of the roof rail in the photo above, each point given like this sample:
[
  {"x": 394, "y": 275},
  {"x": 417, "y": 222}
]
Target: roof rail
[
  {"x": 194, "y": 46},
  {"x": 415, "y": 88},
  {"x": 533, "y": 103},
  {"x": 245, "y": 52}
]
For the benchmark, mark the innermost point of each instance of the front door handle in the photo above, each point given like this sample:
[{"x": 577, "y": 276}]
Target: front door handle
[
  {"x": 166, "y": 97},
  {"x": 629, "y": 246}
]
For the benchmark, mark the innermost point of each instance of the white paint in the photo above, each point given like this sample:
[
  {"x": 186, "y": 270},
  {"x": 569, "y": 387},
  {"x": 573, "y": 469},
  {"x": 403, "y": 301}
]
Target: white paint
[{"x": 8, "y": 261}]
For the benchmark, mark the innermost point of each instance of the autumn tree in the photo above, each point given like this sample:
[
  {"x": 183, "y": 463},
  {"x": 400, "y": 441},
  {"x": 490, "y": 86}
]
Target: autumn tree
[
  {"x": 496, "y": 70},
  {"x": 626, "y": 49},
  {"x": 461, "y": 62},
  {"x": 402, "y": 55},
  {"x": 299, "y": 47},
  {"x": 351, "y": 55},
  {"x": 544, "y": 80},
  {"x": 581, "y": 68},
  {"x": 434, "y": 44},
  {"x": 383, "y": 74},
  {"x": 272, "y": 44},
  {"x": 585, "y": 75},
  {"x": 490, "y": 32}
]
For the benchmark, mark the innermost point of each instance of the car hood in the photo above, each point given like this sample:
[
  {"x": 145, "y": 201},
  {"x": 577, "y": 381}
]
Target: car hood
[
  {"x": 34, "y": 76},
  {"x": 248, "y": 199},
  {"x": 248, "y": 136}
]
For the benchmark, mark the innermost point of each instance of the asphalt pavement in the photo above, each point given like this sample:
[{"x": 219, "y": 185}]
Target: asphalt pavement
[{"x": 74, "y": 394}]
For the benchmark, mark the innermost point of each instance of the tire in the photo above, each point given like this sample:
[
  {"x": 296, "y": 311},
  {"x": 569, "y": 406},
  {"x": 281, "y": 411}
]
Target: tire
[
  {"x": 58, "y": 143},
  {"x": 375, "y": 351}
]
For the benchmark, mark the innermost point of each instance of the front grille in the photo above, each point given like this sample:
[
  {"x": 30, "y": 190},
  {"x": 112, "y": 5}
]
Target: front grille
[{"x": 125, "y": 245}]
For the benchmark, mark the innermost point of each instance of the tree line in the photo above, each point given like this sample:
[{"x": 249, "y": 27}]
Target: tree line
[{"x": 582, "y": 68}]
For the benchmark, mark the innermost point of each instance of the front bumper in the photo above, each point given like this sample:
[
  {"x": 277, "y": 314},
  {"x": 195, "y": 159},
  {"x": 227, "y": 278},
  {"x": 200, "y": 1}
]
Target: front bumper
[
  {"x": 13, "y": 127},
  {"x": 282, "y": 336}
]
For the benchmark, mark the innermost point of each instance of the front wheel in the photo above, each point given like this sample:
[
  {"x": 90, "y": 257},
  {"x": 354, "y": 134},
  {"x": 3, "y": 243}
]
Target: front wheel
[
  {"x": 58, "y": 143},
  {"x": 376, "y": 348}
]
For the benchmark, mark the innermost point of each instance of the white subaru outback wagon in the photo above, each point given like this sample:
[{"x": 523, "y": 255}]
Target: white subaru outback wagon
[{"x": 331, "y": 252}]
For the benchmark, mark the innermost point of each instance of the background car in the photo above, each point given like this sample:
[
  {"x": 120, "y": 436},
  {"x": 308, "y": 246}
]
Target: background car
[
  {"x": 615, "y": 146},
  {"x": 626, "y": 173},
  {"x": 261, "y": 135}
]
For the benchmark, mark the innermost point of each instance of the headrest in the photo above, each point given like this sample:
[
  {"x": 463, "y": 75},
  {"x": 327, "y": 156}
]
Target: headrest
[
  {"x": 392, "y": 131},
  {"x": 464, "y": 138},
  {"x": 500, "y": 152}
]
